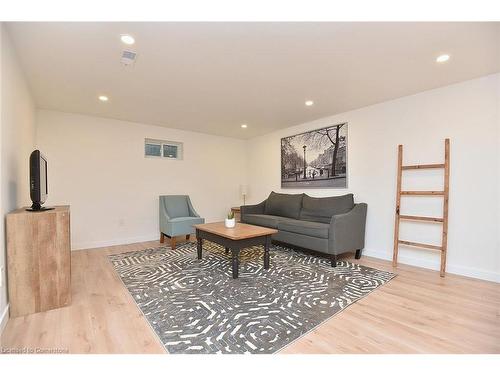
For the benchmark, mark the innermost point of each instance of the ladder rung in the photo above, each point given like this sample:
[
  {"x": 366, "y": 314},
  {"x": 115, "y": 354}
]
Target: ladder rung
[
  {"x": 422, "y": 166},
  {"x": 422, "y": 193},
  {"x": 421, "y": 218},
  {"x": 418, "y": 244}
]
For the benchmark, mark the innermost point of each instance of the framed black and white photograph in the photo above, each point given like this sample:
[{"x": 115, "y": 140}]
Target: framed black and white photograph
[{"x": 315, "y": 159}]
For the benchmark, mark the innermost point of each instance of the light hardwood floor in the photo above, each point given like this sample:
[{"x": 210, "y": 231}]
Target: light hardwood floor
[{"x": 416, "y": 312}]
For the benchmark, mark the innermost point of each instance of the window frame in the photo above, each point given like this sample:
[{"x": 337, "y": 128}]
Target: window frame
[{"x": 161, "y": 143}]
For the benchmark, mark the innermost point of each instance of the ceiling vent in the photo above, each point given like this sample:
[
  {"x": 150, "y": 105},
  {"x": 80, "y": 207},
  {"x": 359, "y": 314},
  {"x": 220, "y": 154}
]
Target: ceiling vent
[{"x": 128, "y": 57}]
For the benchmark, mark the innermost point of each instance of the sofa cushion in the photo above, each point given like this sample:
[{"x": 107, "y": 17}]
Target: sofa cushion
[
  {"x": 308, "y": 228},
  {"x": 268, "y": 221},
  {"x": 286, "y": 205},
  {"x": 322, "y": 209}
]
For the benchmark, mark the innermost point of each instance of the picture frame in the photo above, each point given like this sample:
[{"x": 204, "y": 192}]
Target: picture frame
[{"x": 316, "y": 158}]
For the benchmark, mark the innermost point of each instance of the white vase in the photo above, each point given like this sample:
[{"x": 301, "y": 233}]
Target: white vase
[{"x": 230, "y": 223}]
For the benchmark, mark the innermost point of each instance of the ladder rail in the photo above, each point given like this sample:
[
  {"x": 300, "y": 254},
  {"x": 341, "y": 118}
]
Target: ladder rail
[
  {"x": 422, "y": 245},
  {"x": 398, "y": 203},
  {"x": 444, "y": 238},
  {"x": 423, "y": 166},
  {"x": 421, "y": 218},
  {"x": 422, "y": 192}
]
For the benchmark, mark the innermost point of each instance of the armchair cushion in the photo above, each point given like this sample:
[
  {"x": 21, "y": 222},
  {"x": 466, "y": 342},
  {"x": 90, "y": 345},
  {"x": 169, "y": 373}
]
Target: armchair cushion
[
  {"x": 181, "y": 225},
  {"x": 177, "y": 206}
]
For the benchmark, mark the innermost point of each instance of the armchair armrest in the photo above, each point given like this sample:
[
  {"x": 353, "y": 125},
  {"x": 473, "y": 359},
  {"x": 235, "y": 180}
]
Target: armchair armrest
[
  {"x": 347, "y": 231},
  {"x": 252, "y": 209},
  {"x": 164, "y": 218},
  {"x": 192, "y": 211}
]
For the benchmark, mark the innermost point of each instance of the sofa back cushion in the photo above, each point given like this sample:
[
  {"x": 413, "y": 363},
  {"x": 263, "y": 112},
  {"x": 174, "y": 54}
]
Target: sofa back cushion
[
  {"x": 322, "y": 209},
  {"x": 286, "y": 205}
]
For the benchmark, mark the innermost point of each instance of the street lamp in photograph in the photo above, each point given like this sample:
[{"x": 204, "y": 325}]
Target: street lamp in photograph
[{"x": 304, "y": 147}]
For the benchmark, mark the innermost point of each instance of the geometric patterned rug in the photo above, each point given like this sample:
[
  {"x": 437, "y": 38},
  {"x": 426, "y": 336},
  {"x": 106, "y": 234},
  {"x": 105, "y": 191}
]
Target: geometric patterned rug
[{"x": 195, "y": 306}]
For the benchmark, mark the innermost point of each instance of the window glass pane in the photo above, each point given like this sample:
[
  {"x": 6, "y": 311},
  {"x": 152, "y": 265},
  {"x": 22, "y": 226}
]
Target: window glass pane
[
  {"x": 170, "y": 151},
  {"x": 153, "y": 150}
]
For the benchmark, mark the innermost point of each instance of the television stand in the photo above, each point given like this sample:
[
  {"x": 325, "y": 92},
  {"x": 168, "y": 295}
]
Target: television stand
[{"x": 38, "y": 260}]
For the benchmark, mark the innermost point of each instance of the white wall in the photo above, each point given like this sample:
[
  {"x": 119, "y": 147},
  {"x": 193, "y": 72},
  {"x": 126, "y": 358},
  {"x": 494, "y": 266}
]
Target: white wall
[
  {"x": 98, "y": 167},
  {"x": 17, "y": 139},
  {"x": 468, "y": 114}
]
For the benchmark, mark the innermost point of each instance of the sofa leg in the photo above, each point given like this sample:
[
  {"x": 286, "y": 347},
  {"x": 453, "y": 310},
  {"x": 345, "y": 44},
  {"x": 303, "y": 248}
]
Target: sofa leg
[
  {"x": 358, "y": 254},
  {"x": 172, "y": 242},
  {"x": 162, "y": 238},
  {"x": 333, "y": 259},
  {"x": 187, "y": 237}
]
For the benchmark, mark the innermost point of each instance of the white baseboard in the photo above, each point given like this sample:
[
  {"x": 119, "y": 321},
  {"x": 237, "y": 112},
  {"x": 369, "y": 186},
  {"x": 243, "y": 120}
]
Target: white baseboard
[
  {"x": 114, "y": 242},
  {"x": 4, "y": 318},
  {"x": 450, "y": 268}
]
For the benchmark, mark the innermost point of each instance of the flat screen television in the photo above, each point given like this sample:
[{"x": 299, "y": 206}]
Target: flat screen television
[{"x": 38, "y": 181}]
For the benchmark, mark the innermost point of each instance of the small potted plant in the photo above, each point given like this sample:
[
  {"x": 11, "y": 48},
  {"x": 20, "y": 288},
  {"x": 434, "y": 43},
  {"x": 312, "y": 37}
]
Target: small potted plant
[{"x": 230, "y": 221}]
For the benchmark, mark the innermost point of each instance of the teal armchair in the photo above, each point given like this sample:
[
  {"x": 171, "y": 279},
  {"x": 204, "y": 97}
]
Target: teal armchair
[{"x": 177, "y": 217}]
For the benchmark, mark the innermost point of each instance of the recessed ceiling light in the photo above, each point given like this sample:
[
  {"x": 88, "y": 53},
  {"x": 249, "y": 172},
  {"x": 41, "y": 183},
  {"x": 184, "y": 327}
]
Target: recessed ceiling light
[
  {"x": 127, "y": 39},
  {"x": 309, "y": 103},
  {"x": 244, "y": 126},
  {"x": 103, "y": 98},
  {"x": 442, "y": 58}
]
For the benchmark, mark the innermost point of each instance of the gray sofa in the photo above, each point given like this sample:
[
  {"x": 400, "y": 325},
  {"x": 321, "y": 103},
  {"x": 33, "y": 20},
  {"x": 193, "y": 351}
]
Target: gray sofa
[{"x": 332, "y": 225}]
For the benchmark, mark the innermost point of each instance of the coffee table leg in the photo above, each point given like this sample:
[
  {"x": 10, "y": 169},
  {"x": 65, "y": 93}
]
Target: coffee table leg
[
  {"x": 199, "y": 242},
  {"x": 266, "y": 252},
  {"x": 235, "y": 263}
]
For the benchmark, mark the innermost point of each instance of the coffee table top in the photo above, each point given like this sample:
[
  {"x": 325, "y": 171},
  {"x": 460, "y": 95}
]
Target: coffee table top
[{"x": 240, "y": 232}]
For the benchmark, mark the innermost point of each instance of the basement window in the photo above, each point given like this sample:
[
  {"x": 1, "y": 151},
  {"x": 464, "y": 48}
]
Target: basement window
[{"x": 156, "y": 148}]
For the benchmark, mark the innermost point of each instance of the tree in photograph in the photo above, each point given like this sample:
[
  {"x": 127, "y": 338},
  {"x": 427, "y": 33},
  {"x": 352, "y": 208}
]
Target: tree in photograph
[
  {"x": 290, "y": 159},
  {"x": 323, "y": 137}
]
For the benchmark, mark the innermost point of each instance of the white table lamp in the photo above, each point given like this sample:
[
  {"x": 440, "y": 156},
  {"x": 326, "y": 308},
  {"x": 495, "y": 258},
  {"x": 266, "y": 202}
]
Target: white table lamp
[{"x": 243, "y": 192}]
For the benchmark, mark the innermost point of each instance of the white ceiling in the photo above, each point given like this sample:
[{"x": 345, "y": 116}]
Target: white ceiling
[{"x": 212, "y": 77}]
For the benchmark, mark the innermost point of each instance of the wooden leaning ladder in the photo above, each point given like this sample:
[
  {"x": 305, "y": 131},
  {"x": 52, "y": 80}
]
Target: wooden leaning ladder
[{"x": 444, "y": 194}]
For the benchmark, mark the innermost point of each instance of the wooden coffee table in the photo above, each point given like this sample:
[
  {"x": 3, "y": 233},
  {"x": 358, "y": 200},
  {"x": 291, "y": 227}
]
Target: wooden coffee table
[{"x": 235, "y": 239}]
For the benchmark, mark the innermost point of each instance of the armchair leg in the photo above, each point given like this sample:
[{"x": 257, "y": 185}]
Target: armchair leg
[
  {"x": 162, "y": 238},
  {"x": 172, "y": 242},
  {"x": 358, "y": 254},
  {"x": 333, "y": 259}
]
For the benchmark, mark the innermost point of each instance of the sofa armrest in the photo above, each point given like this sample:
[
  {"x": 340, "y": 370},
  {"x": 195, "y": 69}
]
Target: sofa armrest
[
  {"x": 347, "y": 231},
  {"x": 252, "y": 209}
]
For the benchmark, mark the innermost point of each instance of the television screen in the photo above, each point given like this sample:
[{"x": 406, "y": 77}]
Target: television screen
[
  {"x": 43, "y": 179},
  {"x": 38, "y": 181}
]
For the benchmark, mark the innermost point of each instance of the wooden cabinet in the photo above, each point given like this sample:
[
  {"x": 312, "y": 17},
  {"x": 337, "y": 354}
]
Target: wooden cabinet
[
  {"x": 237, "y": 213},
  {"x": 38, "y": 260}
]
